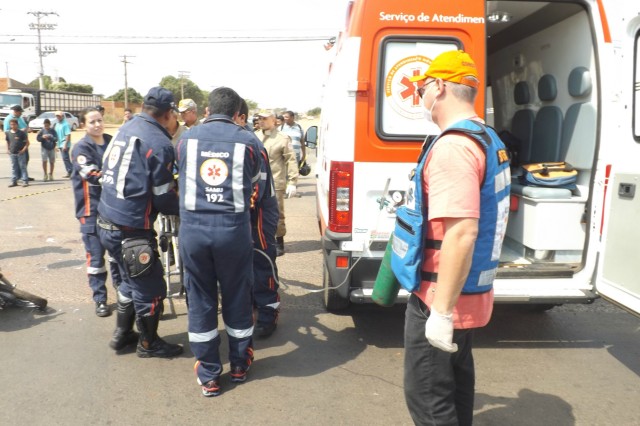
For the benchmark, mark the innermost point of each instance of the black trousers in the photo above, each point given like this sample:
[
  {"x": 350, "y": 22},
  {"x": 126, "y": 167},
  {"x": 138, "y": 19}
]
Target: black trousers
[{"x": 438, "y": 386}]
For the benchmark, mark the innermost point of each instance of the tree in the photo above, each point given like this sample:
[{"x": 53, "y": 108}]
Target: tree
[
  {"x": 251, "y": 104},
  {"x": 314, "y": 112},
  {"x": 71, "y": 87},
  {"x": 191, "y": 90},
  {"x": 47, "y": 82},
  {"x": 132, "y": 96}
]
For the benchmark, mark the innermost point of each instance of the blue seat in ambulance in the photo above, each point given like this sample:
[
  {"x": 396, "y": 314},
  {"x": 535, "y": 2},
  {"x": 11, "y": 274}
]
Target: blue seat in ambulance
[
  {"x": 579, "y": 129},
  {"x": 522, "y": 121},
  {"x": 546, "y": 141},
  {"x": 547, "y": 127}
]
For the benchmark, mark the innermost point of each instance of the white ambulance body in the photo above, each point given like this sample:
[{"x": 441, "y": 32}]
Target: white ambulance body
[{"x": 562, "y": 76}]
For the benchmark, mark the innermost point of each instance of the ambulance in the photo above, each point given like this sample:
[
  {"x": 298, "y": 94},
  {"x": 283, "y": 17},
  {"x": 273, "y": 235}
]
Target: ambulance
[{"x": 562, "y": 78}]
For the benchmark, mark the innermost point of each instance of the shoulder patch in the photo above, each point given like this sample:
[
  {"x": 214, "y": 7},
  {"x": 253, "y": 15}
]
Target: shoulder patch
[
  {"x": 503, "y": 156},
  {"x": 82, "y": 160}
]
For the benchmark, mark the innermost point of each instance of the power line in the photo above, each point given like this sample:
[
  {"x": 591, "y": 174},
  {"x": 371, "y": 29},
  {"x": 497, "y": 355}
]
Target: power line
[{"x": 221, "y": 40}]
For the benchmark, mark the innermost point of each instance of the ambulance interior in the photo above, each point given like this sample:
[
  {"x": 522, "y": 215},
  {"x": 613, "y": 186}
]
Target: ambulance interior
[{"x": 542, "y": 89}]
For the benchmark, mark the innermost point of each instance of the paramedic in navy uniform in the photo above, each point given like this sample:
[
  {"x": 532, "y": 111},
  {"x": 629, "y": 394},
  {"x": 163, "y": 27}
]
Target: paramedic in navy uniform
[
  {"x": 137, "y": 183},
  {"x": 86, "y": 158},
  {"x": 219, "y": 168}
]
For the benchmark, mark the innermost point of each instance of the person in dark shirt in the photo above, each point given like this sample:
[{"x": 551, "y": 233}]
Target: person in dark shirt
[
  {"x": 17, "y": 146},
  {"x": 49, "y": 139}
]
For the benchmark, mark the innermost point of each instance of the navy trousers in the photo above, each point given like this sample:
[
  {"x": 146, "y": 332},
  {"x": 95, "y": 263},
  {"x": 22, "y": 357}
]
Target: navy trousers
[
  {"x": 217, "y": 252},
  {"x": 265, "y": 273},
  {"x": 96, "y": 270},
  {"x": 438, "y": 385},
  {"x": 147, "y": 291}
]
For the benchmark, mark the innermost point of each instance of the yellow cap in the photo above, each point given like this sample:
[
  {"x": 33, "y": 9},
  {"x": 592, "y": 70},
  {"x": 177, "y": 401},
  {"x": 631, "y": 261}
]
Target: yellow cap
[{"x": 455, "y": 66}]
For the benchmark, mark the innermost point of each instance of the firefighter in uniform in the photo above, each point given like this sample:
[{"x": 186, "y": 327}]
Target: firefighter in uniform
[
  {"x": 284, "y": 167},
  {"x": 137, "y": 183},
  {"x": 219, "y": 167},
  {"x": 86, "y": 158},
  {"x": 264, "y": 222}
]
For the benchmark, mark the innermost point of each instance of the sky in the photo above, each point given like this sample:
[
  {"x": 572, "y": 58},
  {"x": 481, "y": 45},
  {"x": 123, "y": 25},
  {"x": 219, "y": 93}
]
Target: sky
[{"x": 212, "y": 43}]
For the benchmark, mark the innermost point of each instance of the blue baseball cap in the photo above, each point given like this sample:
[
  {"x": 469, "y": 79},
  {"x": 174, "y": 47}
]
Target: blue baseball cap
[{"x": 160, "y": 98}]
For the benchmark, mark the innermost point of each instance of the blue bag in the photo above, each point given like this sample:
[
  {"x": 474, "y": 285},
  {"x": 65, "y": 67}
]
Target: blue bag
[
  {"x": 408, "y": 234},
  {"x": 551, "y": 175}
]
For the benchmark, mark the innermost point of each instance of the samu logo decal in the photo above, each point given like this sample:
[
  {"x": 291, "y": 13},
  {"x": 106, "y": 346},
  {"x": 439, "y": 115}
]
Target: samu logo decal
[
  {"x": 400, "y": 92},
  {"x": 214, "y": 171},
  {"x": 114, "y": 156}
]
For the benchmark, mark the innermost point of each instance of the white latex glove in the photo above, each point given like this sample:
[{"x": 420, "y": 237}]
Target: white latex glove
[
  {"x": 291, "y": 191},
  {"x": 439, "y": 331}
]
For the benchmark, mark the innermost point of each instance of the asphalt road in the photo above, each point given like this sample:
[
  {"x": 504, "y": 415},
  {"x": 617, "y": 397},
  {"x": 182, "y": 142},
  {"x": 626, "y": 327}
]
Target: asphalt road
[{"x": 573, "y": 365}]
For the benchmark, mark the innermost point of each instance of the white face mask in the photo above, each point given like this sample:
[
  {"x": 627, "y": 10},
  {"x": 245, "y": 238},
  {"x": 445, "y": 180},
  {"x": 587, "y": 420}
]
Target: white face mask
[{"x": 428, "y": 113}]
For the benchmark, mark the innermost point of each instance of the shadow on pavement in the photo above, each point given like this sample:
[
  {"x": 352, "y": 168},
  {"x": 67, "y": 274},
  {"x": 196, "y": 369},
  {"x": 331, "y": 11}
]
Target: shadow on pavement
[
  {"x": 14, "y": 318},
  {"x": 528, "y": 408},
  {"x": 36, "y": 251},
  {"x": 302, "y": 246}
]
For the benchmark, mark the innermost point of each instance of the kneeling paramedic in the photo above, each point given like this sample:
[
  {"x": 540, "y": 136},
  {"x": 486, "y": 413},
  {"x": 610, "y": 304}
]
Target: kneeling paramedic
[
  {"x": 219, "y": 167},
  {"x": 465, "y": 188},
  {"x": 137, "y": 183}
]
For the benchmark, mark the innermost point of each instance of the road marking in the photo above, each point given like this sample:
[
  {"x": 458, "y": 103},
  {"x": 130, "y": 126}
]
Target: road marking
[{"x": 35, "y": 193}]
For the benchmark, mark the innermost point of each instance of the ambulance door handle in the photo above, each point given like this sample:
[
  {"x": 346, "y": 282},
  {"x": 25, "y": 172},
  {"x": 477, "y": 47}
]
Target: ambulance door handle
[{"x": 627, "y": 190}]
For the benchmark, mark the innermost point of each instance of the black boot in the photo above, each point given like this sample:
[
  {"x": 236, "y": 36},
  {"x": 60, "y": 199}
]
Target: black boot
[
  {"x": 149, "y": 344},
  {"x": 124, "y": 335},
  {"x": 279, "y": 246}
]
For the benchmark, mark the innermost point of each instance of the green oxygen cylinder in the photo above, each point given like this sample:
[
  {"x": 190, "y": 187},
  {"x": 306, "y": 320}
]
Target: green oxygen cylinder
[{"x": 386, "y": 286}]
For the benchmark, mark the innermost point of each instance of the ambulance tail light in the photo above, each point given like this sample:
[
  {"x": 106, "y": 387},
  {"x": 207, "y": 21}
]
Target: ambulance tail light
[
  {"x": 340, "y": 196},
  {"x": 514, "y": 203}
]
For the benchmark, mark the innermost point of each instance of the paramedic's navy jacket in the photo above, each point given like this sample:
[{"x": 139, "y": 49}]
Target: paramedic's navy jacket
[
  {"x": 137, "y": 180},
  {"x": 219, "y": 168}
]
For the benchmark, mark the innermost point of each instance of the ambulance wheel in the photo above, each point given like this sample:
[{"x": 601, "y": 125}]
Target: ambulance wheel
[{"x": 333, "y": 301}]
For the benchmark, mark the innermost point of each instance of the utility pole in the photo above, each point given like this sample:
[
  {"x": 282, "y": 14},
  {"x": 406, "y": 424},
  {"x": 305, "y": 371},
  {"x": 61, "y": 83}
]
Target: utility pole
[
  {"x": 126, "y": 86},
  {"x": 182, "y": 75},
  {"x": 46, "y": 50}
]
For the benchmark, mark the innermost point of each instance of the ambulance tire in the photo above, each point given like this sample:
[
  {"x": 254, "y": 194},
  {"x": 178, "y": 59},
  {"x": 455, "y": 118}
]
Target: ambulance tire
[{"x": 333, "y": 301}]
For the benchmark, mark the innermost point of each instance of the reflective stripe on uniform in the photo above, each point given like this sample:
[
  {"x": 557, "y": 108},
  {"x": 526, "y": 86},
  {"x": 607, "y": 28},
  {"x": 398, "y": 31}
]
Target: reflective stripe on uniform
[
  {"x": 162, "y": 189},
  {"x": 123, "y": 299},
  {"x": 239, "y": 333},
  {"x": 92, "y": 270},
  {"x": 206, "y": 336},
  {"x": 238, "y": 177},
  {"x": 273, "y": 305},
  {"x": 190, "y": 185},
  {"x": 124, "y": 167}
]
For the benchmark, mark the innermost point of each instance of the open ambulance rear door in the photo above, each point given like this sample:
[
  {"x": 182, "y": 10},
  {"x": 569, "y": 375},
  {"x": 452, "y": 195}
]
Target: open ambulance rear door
[{"x": 618, "y": 277}]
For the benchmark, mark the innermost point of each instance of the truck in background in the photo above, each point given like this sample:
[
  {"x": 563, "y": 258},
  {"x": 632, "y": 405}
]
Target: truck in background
[
  {"x": 563, "y": 76},
  {"x": 34, "y": 102}
]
